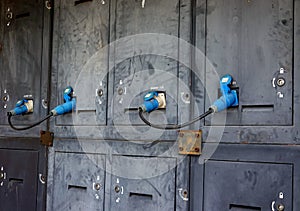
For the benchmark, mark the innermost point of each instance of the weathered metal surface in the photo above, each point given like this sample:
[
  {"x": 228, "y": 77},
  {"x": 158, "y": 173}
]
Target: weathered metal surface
[
  {"x": 81, "y": 31},
  {"x": 18, "y": 186},
  {"x": 252, "y": 46},
  {"x": 151, "y": 173},
  {"x": 287, "y": 112},
  {"x": 24, "y": 44},
  {"x": 189, "y": 142},
  {"x": 257, "y": 185},
  {"x": 238, "y": 174},
  {"x": 78, "y": 182},
  {"x": 87, "y": 69}
]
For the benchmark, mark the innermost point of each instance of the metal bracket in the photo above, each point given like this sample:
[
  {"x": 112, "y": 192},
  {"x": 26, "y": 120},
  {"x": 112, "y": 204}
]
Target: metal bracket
[
  {"x": 47, "y": 138},
  {"x": 189, "y": 142}
]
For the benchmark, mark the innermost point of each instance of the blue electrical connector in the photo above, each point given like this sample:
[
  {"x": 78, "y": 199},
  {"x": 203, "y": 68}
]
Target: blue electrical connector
[
  {"x": 229, "y": 97},
  {"x": 153, "y": 101},
  {"x": 26, "y": 106},
  {"x": 68, "y": 105},
  {"x": 23, "y": 106}
]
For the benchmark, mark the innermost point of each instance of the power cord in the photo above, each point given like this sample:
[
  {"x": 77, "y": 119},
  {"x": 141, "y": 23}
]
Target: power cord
[
  {"x": 174, "y": 127},
  {"x": 28, "y": 127}
]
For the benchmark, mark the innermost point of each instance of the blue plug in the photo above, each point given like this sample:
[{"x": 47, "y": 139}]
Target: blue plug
[
  {"x": 229, "y": 97},
  {"x": 150, "y": 102},
  {"x": 68, "y": 105},
  {"x": 23, "y": 106},
  {"x": 153, "y": 101}
]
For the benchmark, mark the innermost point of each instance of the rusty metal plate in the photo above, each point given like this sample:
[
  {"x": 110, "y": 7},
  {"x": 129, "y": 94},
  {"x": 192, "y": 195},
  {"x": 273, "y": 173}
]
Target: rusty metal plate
[
  {"x": 47, "y": 138},
  {"x": 189, "y": 142}
]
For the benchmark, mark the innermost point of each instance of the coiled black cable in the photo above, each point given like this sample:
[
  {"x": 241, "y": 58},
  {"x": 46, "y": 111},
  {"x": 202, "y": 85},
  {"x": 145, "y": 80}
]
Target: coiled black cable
[
  {"x": 28, "y": 127},
  {"x": 174, "y": 127}
]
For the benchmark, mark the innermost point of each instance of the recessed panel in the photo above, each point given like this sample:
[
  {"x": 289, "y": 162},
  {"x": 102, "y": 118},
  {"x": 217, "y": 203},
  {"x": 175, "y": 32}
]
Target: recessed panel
[
  {"x": 247, "y": 186},
  {"x": 253, "y": 41},
  {"x": 78, "y": 182},
  {"x": 144, "y": 182},
  {"x": 138, "y": 67},
  {"x": 18, "y": 179},
  {"x": 82, "y": 37},
  {"x": 21, "y": 56}
]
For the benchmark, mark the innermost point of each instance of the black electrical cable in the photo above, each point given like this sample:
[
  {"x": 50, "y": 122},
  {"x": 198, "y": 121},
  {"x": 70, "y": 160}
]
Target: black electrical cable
[
  {"x": 174, "y": 127},
  {"x": 28, "y": 127}
]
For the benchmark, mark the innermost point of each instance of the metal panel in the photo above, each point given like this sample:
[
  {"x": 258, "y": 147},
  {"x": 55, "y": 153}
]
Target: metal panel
[
  {"x": 81, "y": 32},
  {"x": 74, "y": 62},
  {"x": 252, "y": 46},
  {"x": 21, "y": 50},
  {"x": 136, "y": 71},
  {"x": 247, "y": 186},
  {"x": 134, "y": 163},
  {"x": 142, "y": 182},
  {"x": 18, "y": 186},
  {"x": 78, "y": 182},
  {"x": 247, "y": 176}
]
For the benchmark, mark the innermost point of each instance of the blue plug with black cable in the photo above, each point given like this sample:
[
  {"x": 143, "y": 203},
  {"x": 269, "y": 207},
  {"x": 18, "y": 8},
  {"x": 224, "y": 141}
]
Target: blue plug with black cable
[
  {"x": 229, "y": 97},
  {"x": 24, "y": 106},
  {"x": 68, "y": 105}
]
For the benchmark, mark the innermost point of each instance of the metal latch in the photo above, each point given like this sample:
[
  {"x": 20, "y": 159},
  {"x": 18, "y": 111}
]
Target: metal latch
[{"x": 189, "y": 142}]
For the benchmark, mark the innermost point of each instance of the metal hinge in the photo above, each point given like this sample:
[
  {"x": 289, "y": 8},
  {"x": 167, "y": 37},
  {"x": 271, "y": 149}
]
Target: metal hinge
[{"x": 47, "y": 138}]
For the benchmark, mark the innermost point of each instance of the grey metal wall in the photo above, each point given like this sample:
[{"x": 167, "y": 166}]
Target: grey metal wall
[
  {"x": 254, "y": 41},
  {"x": 103, "y": 157},
  {"x": 24, "y": 60},
  {"x": 23, "y": 70},
  {"x": 23, "y": 173},
  {"x": 131, "y": 175}
]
